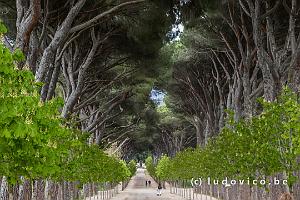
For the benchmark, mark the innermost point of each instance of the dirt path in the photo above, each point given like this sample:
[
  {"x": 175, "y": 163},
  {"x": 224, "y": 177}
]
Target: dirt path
[{"x": 136, "y": 189}]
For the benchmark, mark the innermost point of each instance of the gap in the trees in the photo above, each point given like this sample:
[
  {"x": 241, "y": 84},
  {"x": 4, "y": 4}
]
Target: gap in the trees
[{"x": 157, "y": 96}]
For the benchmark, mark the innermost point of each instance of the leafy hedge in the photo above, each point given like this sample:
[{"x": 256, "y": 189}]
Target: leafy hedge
[
  {"x": 150, "y": 166},
  {"x": 132, "y": 167},
  {"x": 259, "y": 147},
  {"x": 162, "y": 168}
]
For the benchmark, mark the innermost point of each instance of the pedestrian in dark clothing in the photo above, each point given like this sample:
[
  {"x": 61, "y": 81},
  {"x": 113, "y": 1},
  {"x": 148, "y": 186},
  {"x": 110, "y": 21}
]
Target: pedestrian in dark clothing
[
  {"x": 146, "y": 183},
  {"x": 149, "y": 183},
  {"x": 159, "y": 188}
]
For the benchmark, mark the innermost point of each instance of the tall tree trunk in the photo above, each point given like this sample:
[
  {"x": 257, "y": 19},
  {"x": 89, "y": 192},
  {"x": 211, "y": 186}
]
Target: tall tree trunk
[
  {"x": 4, "y": 189},
  {"x": 21, "y": 195},
  {"x": 199, "y": 131},
  {"x": 45, "y": 87},
  {"x": 248, "y": 106},
  {"x": 15, "y": 192},
  {"x": 34, "y": 188},
  {"x": 53, "y": 82},
  {"x": 206, "y": 132},
  {"x": 33, "y": 53},
  {"x": 40, "y": 189},
  {"x": 57, "y": 40},
  {"x": 46, "y": 191},
  {"x": 27, "y": 20},
  {"x": 237, "y": 99}
]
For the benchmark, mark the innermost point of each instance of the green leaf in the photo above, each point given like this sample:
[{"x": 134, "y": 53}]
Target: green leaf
[
  {"x": 3, "y": 29},
  {"x": 6, "y": 133}
]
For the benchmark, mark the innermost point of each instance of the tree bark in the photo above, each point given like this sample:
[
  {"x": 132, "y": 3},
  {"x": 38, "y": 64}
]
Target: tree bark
[
  {"x": 59, "y": 36},
  {"x": 26, "y": 23},
  {"x": 4, "y": 195}
]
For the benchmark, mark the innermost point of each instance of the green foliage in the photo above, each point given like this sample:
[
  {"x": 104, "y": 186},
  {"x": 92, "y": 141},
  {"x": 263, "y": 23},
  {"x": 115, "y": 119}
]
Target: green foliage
[
  {"x": 150, "y": 166},
  {"x": 90, "y": 164},
  {"x": 147, "y": 31},
  {"x": 162, "y": 168},
  {"x": 30, "y": 131},
  {"x": 132, "y": 167},
  {"x": 3, "y": 29},
  {"x": 35, "y": 143},
  {"x": 259, "y": 147},
  {"x": 189, "y": 160}
]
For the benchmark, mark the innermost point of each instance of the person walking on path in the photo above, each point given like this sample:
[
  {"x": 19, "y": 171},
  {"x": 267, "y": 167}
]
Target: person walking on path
[
  {"x": 159, "y": 188},
  {"x": 149, "y": 183},
  {"x": 146, "y": 183}
]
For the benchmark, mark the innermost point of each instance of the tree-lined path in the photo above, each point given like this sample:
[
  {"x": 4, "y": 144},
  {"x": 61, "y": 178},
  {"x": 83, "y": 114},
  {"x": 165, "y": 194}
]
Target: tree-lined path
[
  {"x": 136, "y": 189},
  {"x": 193, "y": 88}
]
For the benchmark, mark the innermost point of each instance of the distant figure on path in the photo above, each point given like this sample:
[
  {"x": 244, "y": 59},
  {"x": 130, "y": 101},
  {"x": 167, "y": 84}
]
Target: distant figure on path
[
  {"x": 159, "y": 187},
  {"x": 146, "y": 183},
  {"x": 149, "y": 183},
  {"x": 286, "y": 196}
]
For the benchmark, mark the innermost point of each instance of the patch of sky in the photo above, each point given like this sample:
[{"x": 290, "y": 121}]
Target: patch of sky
[{"x": 157, "y": 96}]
